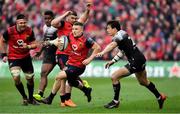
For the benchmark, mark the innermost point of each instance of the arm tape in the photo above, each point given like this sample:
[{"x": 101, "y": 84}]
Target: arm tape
[{"x": 117, "y": 57}]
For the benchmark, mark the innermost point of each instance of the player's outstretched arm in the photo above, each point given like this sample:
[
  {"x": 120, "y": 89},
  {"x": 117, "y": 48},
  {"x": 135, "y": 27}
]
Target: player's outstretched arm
[
  {"x": 107, "y": 49},
  {"x": 84, "y": 17},
  {"x": 56, "y": 22},
  {"x": 96, "y": 48},
  {"x": 3, "y": 48}
]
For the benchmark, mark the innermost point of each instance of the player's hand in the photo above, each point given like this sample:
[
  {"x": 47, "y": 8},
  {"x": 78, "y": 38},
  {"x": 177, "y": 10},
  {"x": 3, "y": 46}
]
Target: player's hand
[
  {"x": 109, "y": 64},
  {"x": 25, "y": 46},
  {"x": 46, "y": 43},
  {"x": 89, "y": 5},
  {"x": 68, "y": 13},
  {"x": 37, "y": 54},
  {"x": 86, "y": 61},
  {"x": 58, "y": 42},
  {"x": 4, "y": 59},
  {"x": 99, "y": 54}
]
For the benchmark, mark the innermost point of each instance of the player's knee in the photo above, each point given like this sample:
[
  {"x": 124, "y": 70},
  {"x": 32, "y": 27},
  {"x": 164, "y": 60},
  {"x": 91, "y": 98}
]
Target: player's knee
[
  {"x": 16, "y": 80},
  {"x": 15, "y": 72},
  {"x": 143, "y": 83},
  {"x": 114, "y": 79},
  {"x": 29, "y": 75},
  {"x": 44, "y": 74}
]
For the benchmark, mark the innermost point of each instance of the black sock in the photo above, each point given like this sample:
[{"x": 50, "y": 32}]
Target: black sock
[
  {"x": 84, "y": 89},
  {"x": 51, "y": 96},
  {"x": 41, "y": 93},
  {"x": 63, "y": 98},
  {"x": 68, "y": 96},
  {"x": 153, "y": 89},
  {"x": 116, "y": 88},
  {"x": 30, "y": 91},
  {"x": 20, "y": 88}
]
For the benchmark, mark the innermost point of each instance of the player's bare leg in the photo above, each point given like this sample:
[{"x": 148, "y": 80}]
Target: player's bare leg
[
  {"x": 45, "y": 70},
  {"x": 142, "y": 78},
  {"x": 56, "y": 87}
]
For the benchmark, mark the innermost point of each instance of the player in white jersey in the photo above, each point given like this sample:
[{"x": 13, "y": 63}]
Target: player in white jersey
[{"x": 49, "y": 53}]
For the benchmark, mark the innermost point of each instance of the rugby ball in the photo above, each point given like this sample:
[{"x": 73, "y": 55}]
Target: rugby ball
[{"x": 60, "y": 42}]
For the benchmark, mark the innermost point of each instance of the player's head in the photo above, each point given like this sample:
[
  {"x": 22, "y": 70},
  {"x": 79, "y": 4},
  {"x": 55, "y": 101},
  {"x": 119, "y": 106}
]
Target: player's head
[
  {"x": 77, "y": 29},
  {"x": 113, "y": 27},
  {"x": 48, "y": 17},
  {"x": 72, "y": 17},
  {"x": 21, "y": 22}
]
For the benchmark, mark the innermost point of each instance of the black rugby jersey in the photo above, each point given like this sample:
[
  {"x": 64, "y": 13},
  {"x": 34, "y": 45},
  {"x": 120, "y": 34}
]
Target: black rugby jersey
[{"x": 127, "y": 46}]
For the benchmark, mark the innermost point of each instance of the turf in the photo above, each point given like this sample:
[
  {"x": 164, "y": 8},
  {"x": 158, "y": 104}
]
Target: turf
[{"x": 134, "y": 98}]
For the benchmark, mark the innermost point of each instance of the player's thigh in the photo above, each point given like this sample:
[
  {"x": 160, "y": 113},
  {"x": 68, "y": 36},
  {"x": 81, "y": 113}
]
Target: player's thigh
[
  {"x": 15, "y": 72},
  {"x": 15, "y": 68},
  {"x": 120, "y": 73},
  {"x": 142, "y": 77},
  {"x": 61, "y": 60},
  {"x": 46, "y": 68},
  {"x": 27, "y": 67},
  {"x": 61, "y": 75}
]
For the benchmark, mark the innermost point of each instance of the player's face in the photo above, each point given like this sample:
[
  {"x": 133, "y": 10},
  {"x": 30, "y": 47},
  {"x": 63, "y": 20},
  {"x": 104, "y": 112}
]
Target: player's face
[
  {"x": 48, "y": 19},
  {"x": 77, "y": 30},
  {"x": 71, "y": 18},
  {"x": 110, "y": 30},
  {"x": 21, "y": 24}
]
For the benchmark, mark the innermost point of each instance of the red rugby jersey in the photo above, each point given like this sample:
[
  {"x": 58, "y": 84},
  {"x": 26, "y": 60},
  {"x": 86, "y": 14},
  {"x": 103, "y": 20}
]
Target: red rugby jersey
[
  {"x": 65, "y": 29},
  {"x": 15, "y": 40},
  {"x": 80, "y": 48}
]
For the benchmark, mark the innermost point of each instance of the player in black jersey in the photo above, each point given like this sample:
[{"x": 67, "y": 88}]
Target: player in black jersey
[
  {"x": 49, "y": 53},
  {"x": 136, "y": 63}
]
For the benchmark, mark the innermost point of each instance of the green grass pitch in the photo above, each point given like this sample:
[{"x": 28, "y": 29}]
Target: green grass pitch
[{"x": 134, "y": 98}]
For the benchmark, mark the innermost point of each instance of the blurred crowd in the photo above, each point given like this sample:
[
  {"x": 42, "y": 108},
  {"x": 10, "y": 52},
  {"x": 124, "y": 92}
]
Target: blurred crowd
[{"x": 153, "y": 24}]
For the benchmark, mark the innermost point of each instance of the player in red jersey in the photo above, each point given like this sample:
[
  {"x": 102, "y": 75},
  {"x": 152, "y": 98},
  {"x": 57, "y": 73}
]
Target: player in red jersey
[
  {"x": 64, "y": 28},
  {"x": 16, "y": 43},
  {"x": 76, "y": 64}
]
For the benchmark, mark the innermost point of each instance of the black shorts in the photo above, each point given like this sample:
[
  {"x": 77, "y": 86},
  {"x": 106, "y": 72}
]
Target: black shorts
[
  {"x": 73, "y": 72},
  {"x": 49, "y": 58},
  {"x": 61, "y": 60},
  {"x": 136, "y": 65},
  {"x": 25, "y": 64}
]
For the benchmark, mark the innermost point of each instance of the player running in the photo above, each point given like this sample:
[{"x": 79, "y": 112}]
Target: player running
[
  {"x": 49, "y": 53},
  {"x": 64, "y": 28},
  {"x": 17, "y": 41},
  {"x": 77, "y": 62},
  {"x": 136, "y": 63}
]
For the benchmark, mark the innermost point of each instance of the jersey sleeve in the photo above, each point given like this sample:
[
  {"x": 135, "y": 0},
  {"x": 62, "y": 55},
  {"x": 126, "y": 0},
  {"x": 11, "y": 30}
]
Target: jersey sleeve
[
  {"x": 62, "y": 24},
  {"x": 6, "y": 36},
  {"x": 89, "y": 42},
  {"x": 120, "y": 36},
  {"x": 31, "y": 37}
]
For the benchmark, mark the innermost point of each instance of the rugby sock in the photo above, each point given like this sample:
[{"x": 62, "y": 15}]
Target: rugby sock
[
  {"x": 153, "y": 89},
  {"x": 51, "y": 96},
  {"x": 116, "y": 88},
  {"x": 30, "y": 91},
  {"x": 68, "y": 96},
  {"x": 63, "y": 98},
  {"x": 20, "y": 88},
  {"x": 41, "y": 93},
  {"x": 84, "y": 89}
]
